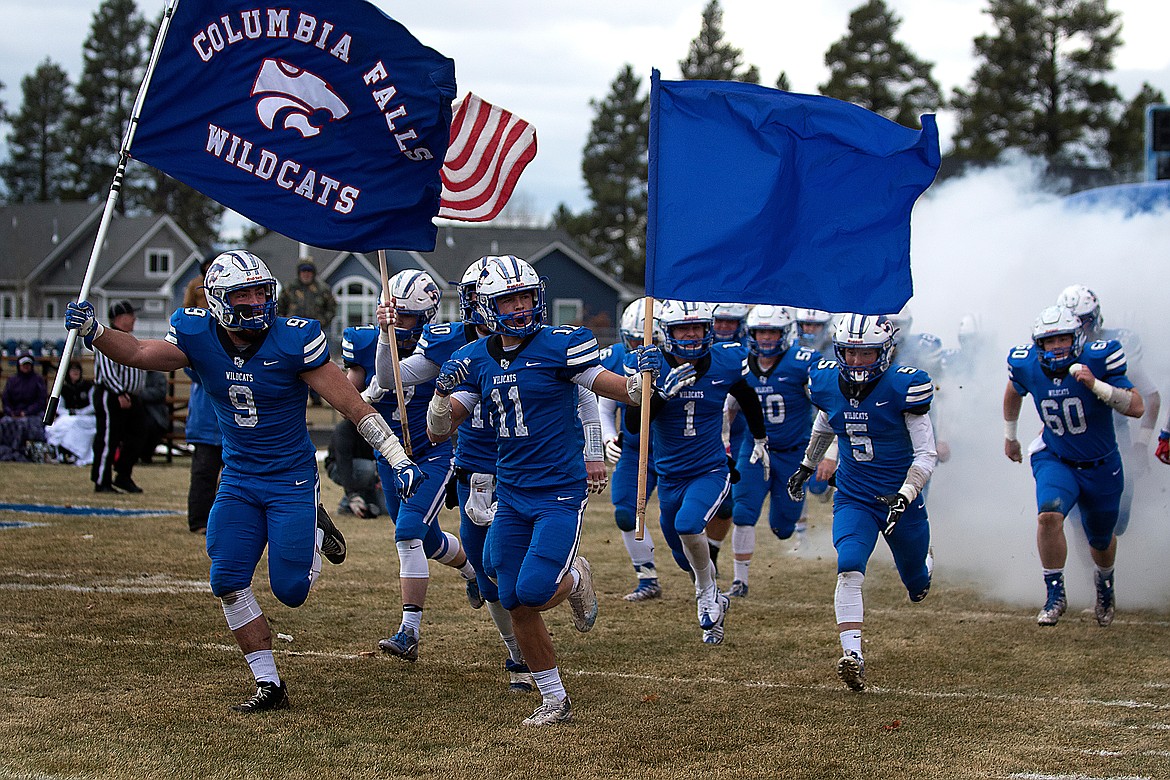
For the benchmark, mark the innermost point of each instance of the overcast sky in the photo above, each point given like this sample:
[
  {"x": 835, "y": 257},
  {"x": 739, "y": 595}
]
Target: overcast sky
[{"x": 546, "y": 61}]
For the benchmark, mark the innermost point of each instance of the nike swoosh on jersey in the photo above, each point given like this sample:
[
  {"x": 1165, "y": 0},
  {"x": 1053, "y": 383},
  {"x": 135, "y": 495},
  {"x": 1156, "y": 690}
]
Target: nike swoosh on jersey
[
  {"x": 301, "y": 482},
  {"x": 530, "y": 364},
  {"x": 716, "y": 381},
  {"x": 271, "y": 362},
  {"x": 881, "y": 403},
  {"x": 564, "y": 498}
]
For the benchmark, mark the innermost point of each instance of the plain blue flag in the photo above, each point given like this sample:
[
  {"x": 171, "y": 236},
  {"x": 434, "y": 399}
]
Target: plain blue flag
[
  {"x": 763, "y": 196},
  {"x": 325, "y": 121}
]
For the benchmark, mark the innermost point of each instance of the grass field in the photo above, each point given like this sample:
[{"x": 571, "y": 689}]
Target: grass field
[{"x": 115, "y": 662}]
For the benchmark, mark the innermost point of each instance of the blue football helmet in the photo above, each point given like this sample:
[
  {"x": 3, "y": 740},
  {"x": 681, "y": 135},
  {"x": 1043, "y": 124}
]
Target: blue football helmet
[
  {"x": 501, "y": 278},
  {"x": 765, "y": 317},
  {"x": 863, "y": 331},
  {"x": 414, "y": 292},
  {"x": 676, "y": 313},
  {"x": 1058, "y": 321},
  {"x": 234, "y": 270}
]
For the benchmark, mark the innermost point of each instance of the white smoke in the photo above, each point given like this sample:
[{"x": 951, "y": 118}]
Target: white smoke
[{"x": 993, "y": 244}]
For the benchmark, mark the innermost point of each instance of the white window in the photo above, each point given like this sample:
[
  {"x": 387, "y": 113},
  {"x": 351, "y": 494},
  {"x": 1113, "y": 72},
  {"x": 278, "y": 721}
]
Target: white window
[
  {"x": 357, "y": 300},
  {"x": 159, "y": 263},
  {"x": 7, "y": 306},
  {"x": 567, "y": 311},
  {"x": 50, "y": 308},
  {"x": 152, "y": 306}
]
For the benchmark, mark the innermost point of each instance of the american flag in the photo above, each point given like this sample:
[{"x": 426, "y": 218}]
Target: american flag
[{"x": 489, "y": 149}]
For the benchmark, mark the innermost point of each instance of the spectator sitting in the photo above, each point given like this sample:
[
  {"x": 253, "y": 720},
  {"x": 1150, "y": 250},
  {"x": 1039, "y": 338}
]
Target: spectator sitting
[
  {"x": 26, "y": 395},
  {"x": 72, "y": 432},
  {"x": 76, "y": 391}
]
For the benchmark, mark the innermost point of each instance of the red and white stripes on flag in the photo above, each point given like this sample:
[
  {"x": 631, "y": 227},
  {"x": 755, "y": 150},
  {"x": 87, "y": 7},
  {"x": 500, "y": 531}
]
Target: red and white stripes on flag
[{"x": 489, "y": 149}]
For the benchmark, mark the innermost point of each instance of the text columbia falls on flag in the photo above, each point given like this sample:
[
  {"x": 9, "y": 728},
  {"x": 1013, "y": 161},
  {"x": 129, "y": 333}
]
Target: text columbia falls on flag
[
  {"x": 325, "y": 121},
  {"x": 763, "y": 196}
]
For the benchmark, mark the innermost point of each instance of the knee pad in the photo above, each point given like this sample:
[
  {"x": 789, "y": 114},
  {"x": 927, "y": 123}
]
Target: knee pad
[
  {"x": 743, "y": 539},
  {"x": 412, "y": 561},
  {"x": 450, "y": 550},
  {"x": 625, "y": 519},
  {"x": 240, "y": 608},
  {"x": 847, "y": 597}
]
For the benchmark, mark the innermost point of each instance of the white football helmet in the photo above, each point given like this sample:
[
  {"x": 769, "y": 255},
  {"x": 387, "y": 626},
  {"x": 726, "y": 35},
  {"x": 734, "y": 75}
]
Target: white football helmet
[
  {"x": 814, "y": 328},
  {"x": 734, "y": 313},
  {"x": 466, "y": 287},
  {"x": 1058, "y": 321},
  {"x": 675, "y": 313},
  {"x": 632, "y": 326},
  {"x": 234, "y": 270},
  {"x": 766, "y": 317},
  {"x": 1084, "y": 303},
  {"x": 414, "y": 292},
  {"x": 863, "y": 331},
  {"x": 502, "y": 277},
  {"x": 968, "y": 330}
]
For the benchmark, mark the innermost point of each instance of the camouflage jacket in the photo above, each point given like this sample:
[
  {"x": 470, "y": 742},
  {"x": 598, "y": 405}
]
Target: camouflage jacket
[{"x": 313, "y": 301}]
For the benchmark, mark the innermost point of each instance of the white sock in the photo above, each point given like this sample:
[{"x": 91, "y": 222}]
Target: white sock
[
  {"x": 467, "y": 570},
  {"x": 412, "y": 619},
  {"x": 641, "y": 552},
  {"x": 503, "y": 620},
  {"x": 851, "y": 641},
  {"x": 549, "y": 684},
  {"x": 576, "y": 575},
  {"x": 741, "y": 571},
  {"x": 263, "y": 666},
  {"x": 699, "y": 556}
]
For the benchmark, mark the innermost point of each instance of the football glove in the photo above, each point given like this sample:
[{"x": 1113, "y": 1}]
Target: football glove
[
  {"x": 407, "y": 478},
  {"x": 796, "y": 482},
  {"x": 1162, "y": 453},
  {"x": 679, "y": 378},
  {"x": 732, "y": 472},
  {"x": 451, "y": 375},
  {"x": 373, "y": 392},
  {"x": 897, "y": 504},
  {"x": 613, "y": 449},
  {"x": 648, "y": 359},
  {"x": 760, "y": 455},
  {"x": 82, "y": 318}
]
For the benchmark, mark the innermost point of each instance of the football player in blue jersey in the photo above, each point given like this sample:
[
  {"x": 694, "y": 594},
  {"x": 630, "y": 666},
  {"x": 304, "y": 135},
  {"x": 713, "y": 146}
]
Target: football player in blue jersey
[
  {"x": 687, "y": 434},
  {"x": 621, "y": 447},
  {"x": 1076, "y": 388},
  {"x": 778, "y": 372},
  {"x": 526, "y": 375},
  {"x": 417, "y": 534},
  {"x": 878, "y": 412},
  {"x": 729, "y": 326},
  {"x": 256, "y": 369},
  {"x": 1133, "y": 441},
  {"x": 814, "y": 330}
]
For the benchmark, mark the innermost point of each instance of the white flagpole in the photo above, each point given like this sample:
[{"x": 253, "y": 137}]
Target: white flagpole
[{"x": 111, "y": 201}]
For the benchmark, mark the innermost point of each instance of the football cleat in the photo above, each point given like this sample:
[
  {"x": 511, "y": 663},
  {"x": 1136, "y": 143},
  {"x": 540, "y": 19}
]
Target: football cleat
[
  {"x": 1105, "y": 604},
  {"x": 1056, "y": 604},
  {"x": 711, "y": 605},
  {"x": 582, "y": 600},
  {"x": 550, "y": 713},
  {"x": 738, "y": 589},
  {"x": 404, "y": 644},
  {"x": 647, "y": 589},
  {"x": 920, "y": 595},
  {"x": 519, "y": 677},
  {"x": 800, "y": 538},
  {"x": 268, "y": 696},
  {"x": 851, "y": 670},
  {"x": 714, "y": 634},
  {"x": 332, "y": 543},
  {"x": 474, "y": 597}
]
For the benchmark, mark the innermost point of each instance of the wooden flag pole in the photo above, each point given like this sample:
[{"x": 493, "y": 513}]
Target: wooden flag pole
[
  {"x": 398, "y": 391},
  {"x": 644, "y": 425}
]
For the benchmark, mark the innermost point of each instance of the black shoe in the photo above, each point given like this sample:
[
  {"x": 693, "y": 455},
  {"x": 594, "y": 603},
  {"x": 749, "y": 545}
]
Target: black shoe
[
  {"x": 333, "y": 543},
  {"x": 105, "y": 487},
  {"x": 126, "y": 485},
  {"x": 268, "y": 696}
]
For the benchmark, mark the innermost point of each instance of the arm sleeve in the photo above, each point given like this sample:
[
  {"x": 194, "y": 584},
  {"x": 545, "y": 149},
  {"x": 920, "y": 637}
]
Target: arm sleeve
[
  {"x": 921, "y": 432},
  {"x": 607, "y": 410},
  {"x": 590, "y": 423},
  {"x": 414, "y": 369},
  {"x": 749, "y": 402},
  {"x": 818, "y": 441}
]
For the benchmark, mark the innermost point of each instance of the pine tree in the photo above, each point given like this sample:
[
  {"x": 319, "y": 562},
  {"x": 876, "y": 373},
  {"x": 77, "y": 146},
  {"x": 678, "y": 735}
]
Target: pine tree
[
  {"x": 1127, "y": 138},
  {"x": 1039, "y": 85},
  {"x": 35, "y": 170},
  {"x": 782, "y": 82},
  {"x": 113, "y": 61},
  {"x": 198, "y": 215},
  {"x": 614, "y": 165},
  {"x": 869, "y": 67},
  {"x": 710, "y": 57}
]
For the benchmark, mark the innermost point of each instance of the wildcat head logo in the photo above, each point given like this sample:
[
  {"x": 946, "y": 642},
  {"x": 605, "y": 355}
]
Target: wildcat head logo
[
  {"x": 239, "y": 361},
  {"x": 297, "y": 95}
]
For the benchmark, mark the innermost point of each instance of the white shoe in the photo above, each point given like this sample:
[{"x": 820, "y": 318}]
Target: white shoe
[
  {"x": 851, "y": 670},
  {"x": 551, "y": 713},
  {"x": 711, "y": 605},
  {"x": 583, "y": 599},
  {"x": 714, "y": 635}
]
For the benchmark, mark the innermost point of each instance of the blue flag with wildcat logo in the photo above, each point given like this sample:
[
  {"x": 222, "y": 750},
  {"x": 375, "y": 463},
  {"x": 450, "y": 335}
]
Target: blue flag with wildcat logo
[
  {"x": 763, "y": 196},
  {"x": 327, "y": 122}
]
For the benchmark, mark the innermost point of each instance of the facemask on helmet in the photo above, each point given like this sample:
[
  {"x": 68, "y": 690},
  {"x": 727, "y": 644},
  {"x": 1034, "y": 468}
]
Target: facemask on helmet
[
  {"x": 503, "y": 277},
  {"x": 466, "y": 286},
  {"x": 859, "y": 331},
  {"x": 1084, "y": 303},
  {"x": 414, "y": 293},
  {"x": 769, "y": 318},
  {"x": 1058, "y": 321},
  {"x": 632, "y": 324},
  {"x": 679, "y": 313},
  {"x": 729, "y": 321},
  {"x": 814, "y": 328},
  {"x": 236, "y": 270}
]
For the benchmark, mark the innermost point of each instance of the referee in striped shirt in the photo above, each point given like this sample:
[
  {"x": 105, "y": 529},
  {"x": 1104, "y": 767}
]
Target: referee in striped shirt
[{"x": 121, "y": 416}]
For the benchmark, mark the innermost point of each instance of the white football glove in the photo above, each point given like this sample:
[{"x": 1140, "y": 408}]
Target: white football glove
[
  {"x": 373, "y": 392},
  {"x": 760, "y": 455},
  {"x": 613, "y": 448}
]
